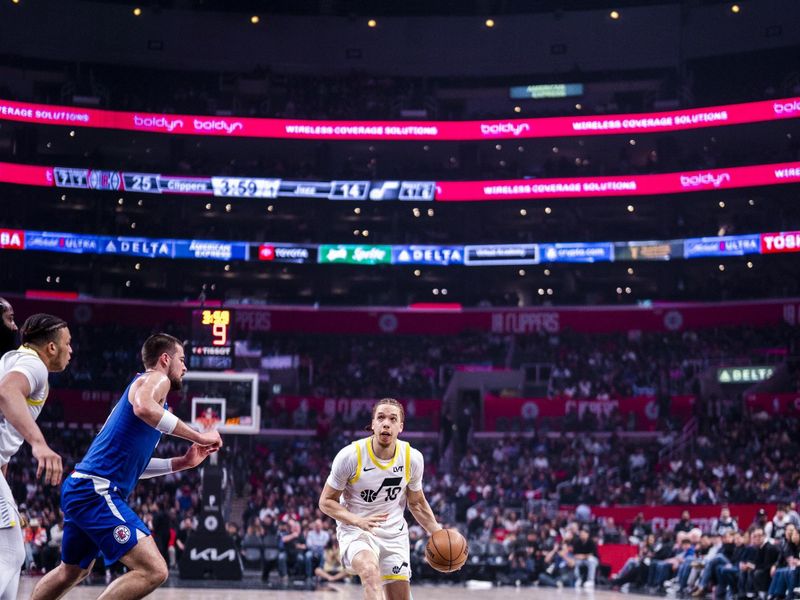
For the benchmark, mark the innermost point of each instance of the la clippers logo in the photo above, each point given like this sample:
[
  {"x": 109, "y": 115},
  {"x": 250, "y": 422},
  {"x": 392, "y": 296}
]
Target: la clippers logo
[
  {"x": 514, "y": 129},
  {"x": 786, "y": 108},
  {"x": 122, "y": 534},
  {"x": 157, "y": 123},
  {"x": 217, "y": 125},
  {"x": 704, "y": 179}
]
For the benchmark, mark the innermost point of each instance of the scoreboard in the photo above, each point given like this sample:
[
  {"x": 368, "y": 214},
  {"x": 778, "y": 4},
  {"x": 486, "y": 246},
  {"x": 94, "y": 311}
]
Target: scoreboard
[
  {"x": 212, "y": 346},
  {"x": 242, "y": 187}
]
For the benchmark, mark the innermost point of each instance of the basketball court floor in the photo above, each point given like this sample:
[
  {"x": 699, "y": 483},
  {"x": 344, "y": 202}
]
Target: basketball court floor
[{"x": 339, "y": 591}]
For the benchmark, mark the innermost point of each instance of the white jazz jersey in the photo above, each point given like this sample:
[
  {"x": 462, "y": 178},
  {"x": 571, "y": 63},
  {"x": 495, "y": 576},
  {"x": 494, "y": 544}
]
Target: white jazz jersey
[
  {"x": 27, "y": 362},
  {"x": 372, "y": 486}
]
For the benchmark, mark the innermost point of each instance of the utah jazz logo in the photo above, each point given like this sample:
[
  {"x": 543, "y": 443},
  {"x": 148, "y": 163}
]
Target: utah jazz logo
[
  {"x": 396, "y": 570},
  {"x": 392, "y": 485}
]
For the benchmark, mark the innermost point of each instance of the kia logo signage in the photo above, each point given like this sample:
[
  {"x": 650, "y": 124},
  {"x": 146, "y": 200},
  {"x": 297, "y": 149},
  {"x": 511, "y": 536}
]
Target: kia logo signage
[{"x": 212, "y": 555}]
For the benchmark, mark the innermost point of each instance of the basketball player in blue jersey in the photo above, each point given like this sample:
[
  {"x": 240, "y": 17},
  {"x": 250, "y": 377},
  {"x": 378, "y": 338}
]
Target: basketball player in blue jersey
[{"x": 97, "y": 517}]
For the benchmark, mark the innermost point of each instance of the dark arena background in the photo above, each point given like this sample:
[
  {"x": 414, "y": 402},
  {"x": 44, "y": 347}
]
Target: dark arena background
[{"x": 563, "y": 234}]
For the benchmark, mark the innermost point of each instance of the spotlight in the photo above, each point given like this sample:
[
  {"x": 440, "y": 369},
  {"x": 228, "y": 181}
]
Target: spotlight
[
  {"x": 137, "y": 12},
  {"x": 255, "y": 19},
  {"x": 489, "y": 23},
  {"x": 372, "y": 23},
  {"x": 614, "y": 14},
  {"x": 735, "y": 9}
]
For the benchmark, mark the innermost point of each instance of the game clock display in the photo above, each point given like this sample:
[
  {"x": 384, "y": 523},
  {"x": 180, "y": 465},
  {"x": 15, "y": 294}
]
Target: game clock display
[{"x": 212, "y": 347}]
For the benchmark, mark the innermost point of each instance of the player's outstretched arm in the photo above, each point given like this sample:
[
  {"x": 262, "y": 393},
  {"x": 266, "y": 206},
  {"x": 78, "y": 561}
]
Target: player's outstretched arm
[
  {"x": 14, "y": 389},
  {"x": 194, "y": 456},
  {"x": 329, "y": 504},
  {"x": 146, "y": 406},
  {"x": 419, "y": 507}
]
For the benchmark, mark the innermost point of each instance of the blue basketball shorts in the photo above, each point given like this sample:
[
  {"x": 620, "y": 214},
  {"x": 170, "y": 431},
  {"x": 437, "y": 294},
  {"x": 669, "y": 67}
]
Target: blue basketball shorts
[{"x": 97, "y": 520}]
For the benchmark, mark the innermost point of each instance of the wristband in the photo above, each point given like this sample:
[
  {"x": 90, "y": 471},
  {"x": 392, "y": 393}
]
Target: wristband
[
  {"x": 168, "y": 422},
  {"x": 157, "y": 467}
]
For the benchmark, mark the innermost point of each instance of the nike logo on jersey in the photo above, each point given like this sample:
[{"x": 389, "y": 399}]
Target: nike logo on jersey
[
  {"x": 368, "y": 469},
  {"x": 401, "y": 529}
]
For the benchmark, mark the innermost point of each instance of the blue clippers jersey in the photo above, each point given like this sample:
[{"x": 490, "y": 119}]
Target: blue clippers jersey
[{"x": 122, "y": 449}]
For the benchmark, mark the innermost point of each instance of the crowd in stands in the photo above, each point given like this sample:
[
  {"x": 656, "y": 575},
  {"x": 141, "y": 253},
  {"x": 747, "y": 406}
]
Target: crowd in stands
[{"x": 502, "y": 495}]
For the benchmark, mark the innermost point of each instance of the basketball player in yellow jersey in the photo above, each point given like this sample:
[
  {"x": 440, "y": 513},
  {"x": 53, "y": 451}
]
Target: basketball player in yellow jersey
[{"x": 371, "y": 483}]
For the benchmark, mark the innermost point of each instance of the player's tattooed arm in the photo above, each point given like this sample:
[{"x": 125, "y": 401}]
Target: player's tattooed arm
[
  {"x": 329, "y": 504},
  {"x": 419, "y": 507}
]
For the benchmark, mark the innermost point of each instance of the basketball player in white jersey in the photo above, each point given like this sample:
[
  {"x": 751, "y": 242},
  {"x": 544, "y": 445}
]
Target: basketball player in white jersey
[
  {"x": 23, "y": 392},
  {"x": 371, "y": 483}
]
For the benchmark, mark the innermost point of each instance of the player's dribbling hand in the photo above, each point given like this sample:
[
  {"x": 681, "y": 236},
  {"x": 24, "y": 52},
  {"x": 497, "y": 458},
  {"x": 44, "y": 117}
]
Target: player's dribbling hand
[
  {"x": 210, "y": 439},
  {"x": 370, "y": 523},
  {"x": 48, "y": 462}
]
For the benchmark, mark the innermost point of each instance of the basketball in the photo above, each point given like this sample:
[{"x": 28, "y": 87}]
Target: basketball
[{"x": 447, "y": 550}]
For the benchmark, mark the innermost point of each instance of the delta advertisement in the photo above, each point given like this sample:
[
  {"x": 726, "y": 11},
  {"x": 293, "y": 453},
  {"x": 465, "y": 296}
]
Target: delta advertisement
[
  {"x": 223, "y": 126},
  {"x": 428, "y": 255}
]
